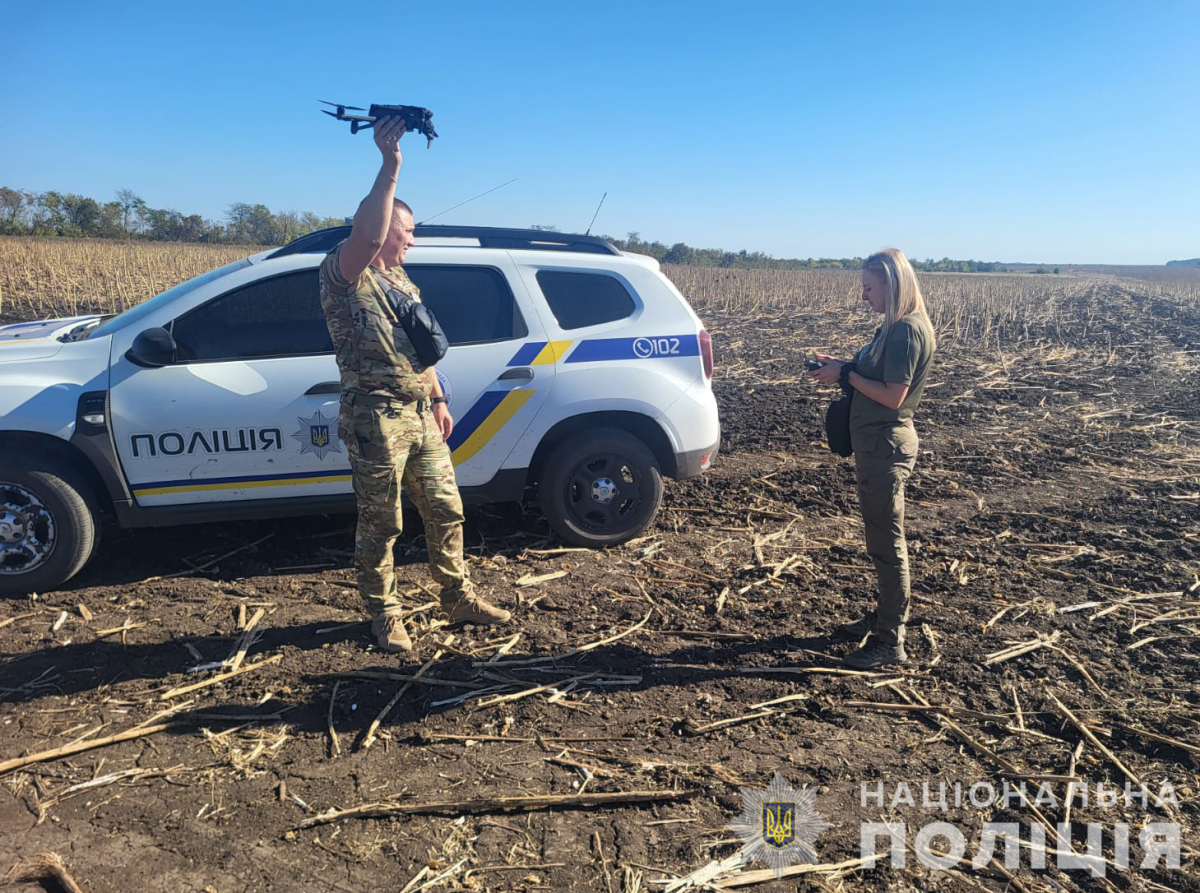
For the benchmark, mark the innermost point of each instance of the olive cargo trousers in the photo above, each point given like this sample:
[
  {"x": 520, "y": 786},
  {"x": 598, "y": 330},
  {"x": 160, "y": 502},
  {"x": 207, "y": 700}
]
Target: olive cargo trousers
[
  {"x": 392, "y": 446},
  {"x": 883, "y": 462}
]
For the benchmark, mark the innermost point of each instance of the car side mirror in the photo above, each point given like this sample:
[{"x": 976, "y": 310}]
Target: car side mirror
[{"x": 152, "y": 348}]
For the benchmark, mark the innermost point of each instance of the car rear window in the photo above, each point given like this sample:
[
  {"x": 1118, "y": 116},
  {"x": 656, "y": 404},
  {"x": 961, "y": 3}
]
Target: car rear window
[
  {"x": 473, "y": 304},
  {"x": 585, "y": 299}
]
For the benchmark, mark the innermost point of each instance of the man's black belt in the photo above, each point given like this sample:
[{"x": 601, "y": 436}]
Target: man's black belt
[{"x": 420, "y": 405}]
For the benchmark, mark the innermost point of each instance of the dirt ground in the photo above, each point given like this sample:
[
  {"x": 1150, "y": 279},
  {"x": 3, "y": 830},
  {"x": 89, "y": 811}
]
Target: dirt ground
[{"x": 1055, "y": 501}]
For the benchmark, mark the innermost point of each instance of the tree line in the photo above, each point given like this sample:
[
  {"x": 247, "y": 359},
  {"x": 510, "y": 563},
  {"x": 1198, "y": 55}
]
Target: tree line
[
  {"x": 684, "y": 254},
  {"x": 128, "y": 216}
]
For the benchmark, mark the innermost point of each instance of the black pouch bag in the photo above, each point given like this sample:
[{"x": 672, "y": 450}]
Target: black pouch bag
[
  {"x": 837, "y": 426},
  {"x": 421, "y": 327}
]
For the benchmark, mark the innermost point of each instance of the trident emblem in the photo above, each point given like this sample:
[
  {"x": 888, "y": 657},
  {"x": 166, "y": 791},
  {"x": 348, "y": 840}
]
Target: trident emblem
[{"x": 779, "y": 824}]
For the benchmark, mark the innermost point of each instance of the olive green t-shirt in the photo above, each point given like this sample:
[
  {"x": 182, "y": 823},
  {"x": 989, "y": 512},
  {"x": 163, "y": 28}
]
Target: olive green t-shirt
[{"x": 906, "y": 358}]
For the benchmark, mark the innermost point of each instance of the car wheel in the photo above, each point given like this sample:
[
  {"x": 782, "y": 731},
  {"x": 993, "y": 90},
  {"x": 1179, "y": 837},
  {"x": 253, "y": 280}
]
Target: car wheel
[
  {"x": 47, "y": 524},
  {"x": 600, "y": 488}
]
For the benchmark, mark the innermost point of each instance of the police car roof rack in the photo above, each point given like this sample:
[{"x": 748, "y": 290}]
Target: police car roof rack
[{"x": 323, "y": 240}]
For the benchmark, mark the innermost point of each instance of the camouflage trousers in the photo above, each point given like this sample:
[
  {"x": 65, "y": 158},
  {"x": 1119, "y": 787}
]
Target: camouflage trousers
[
  {"x": 883, "y": 462},
  {"x": 392, "y": 447}
]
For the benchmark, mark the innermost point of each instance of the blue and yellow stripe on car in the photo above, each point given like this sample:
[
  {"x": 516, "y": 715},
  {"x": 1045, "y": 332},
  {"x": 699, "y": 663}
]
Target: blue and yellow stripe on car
[
  {"x": 242, "y": 482},
  {"x": 4, "y": 341},
  {"x": 483, "y": 421},
  {"x": 653, "y": 347},
  {"x": 592, "y": 350},
  {"x": 540, "y": 353}
]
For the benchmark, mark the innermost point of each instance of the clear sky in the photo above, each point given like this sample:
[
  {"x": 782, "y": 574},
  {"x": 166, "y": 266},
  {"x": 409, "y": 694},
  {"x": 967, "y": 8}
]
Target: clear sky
[{"x": 1041, "y": 132}]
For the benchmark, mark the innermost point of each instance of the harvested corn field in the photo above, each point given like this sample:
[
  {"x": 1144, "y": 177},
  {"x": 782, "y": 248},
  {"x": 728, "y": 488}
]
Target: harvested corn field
[{"x": 201, "y": 710}]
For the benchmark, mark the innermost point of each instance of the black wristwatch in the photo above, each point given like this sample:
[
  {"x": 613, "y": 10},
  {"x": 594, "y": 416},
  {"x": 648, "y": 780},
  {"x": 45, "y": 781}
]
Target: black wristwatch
[
  {"x": 437, "y": 400},
  {"x": 844, "y": 375}
]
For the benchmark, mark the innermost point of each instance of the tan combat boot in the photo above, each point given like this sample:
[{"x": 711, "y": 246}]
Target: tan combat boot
[
  {"x": 471, "y": 608},
  {"x": 390, "y": 634}
]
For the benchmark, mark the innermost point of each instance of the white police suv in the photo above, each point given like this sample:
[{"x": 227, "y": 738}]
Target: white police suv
[{"x": 574, "y": 368}]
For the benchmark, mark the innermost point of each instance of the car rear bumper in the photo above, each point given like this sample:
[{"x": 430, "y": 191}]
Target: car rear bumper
[{"x": 694, "y": 462}]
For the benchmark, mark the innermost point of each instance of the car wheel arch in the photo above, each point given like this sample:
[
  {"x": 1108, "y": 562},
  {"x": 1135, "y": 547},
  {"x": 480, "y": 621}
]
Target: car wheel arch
[
  {"x": 49, "y": 446},
  {"x": 641, "y": 426},
  {"x": 49, "y": 519}
]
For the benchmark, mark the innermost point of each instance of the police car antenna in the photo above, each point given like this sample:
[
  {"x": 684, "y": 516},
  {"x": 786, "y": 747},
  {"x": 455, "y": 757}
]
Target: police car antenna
[
  {"x": 597, "y": 214},
  {"x": 467, "y": 202}
]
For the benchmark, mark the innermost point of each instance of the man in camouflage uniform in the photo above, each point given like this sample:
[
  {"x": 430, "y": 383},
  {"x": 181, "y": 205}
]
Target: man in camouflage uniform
[{"x": 393, "y": 420}]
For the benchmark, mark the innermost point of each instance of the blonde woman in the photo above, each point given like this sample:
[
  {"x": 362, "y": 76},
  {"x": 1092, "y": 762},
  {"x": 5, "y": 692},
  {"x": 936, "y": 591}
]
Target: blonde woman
[{"x": 886, "y": 379}]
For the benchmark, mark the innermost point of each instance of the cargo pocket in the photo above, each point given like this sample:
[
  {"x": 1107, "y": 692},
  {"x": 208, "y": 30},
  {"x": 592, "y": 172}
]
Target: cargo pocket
[
  {"x": 880, "y": 446},
  {"x": 903, "y": 441},
  {"x": 376, "y": 467}
]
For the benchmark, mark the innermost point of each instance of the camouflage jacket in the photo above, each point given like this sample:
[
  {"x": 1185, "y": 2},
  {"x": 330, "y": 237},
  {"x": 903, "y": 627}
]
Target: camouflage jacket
[{"x": 374, "y": 356}]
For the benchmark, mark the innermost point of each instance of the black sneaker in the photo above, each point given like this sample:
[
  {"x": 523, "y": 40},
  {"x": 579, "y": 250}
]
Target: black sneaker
[
  {"x": 861, "y": 627},
  {"x": 874, "y": 655}
]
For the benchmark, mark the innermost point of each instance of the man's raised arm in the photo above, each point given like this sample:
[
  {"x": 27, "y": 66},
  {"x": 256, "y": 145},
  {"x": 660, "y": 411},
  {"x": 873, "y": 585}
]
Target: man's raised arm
[{"x": 375, "y": 213}]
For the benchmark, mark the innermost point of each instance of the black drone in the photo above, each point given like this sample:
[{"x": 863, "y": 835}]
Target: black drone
[{"x": 417, "y": 120}]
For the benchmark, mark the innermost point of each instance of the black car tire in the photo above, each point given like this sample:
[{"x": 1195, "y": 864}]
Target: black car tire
[
  {"x": 65, "y": 523},
  {"x": 575, "y": 493}
]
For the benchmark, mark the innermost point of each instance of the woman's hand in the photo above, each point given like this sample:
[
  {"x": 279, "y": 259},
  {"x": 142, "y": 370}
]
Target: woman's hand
[{"x": 830, "y": 372}]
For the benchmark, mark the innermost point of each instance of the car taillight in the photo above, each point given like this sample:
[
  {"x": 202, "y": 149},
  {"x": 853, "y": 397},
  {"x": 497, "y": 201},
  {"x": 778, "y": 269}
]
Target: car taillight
[{"x": 706, "y": 352}]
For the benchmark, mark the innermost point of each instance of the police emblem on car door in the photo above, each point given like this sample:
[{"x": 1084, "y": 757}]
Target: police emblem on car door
[{"x": 315, "y": 435}]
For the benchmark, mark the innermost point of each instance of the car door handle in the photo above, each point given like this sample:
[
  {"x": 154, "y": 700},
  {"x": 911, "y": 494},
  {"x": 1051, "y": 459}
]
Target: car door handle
[
  {"x": 324, "y": 387},
  {"x": 522, "y": 374}
]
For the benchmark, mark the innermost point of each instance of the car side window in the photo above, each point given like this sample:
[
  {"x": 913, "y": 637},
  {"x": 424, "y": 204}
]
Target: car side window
[
  {"x": 585, "y": 299},
  {"x": 276, "y": 317},
  {"x": 474, "y": 305}
]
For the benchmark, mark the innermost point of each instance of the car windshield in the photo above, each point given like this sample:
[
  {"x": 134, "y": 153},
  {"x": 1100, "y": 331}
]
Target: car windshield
[{"x": 137, "y": 312}]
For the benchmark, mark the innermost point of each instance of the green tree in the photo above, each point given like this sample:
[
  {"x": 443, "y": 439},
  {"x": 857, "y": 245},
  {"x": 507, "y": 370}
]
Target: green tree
[
  {"x": 12, "y": 208},
  {"x": 251, "y": 223},
  {"x": 679, "y": 253},
  {"x": 288, "y": 226},
  {"x": 133, "y": 212},
  {"x": 110, "y": 222},
  {"x": 310, "y": 222},
  {"x": 163, "y": 224},
  {"x": 68, "y": 214}
]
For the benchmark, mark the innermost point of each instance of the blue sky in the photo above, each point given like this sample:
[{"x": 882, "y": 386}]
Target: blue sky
[{"x": 1043, "y": 132}]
